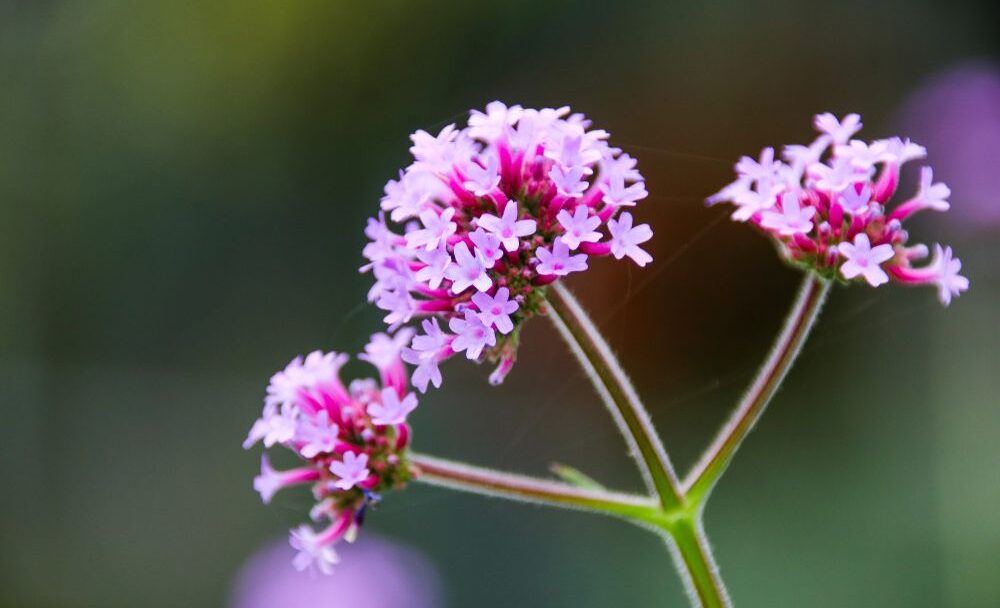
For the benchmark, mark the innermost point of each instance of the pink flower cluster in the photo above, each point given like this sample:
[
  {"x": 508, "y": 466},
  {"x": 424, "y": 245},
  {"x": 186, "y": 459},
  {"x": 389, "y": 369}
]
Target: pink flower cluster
[
  {"x": 826, "y": 206},
  {"x": 352, "y": 441},
  {"x": 489, "y": 215}
]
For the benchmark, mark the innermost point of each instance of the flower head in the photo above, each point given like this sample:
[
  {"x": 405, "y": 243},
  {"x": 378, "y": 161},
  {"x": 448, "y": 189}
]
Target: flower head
[
  {"x": 506, "y": 205},
  {"x": 351, "y": 441},
  {"x": 827, "y": 207}
]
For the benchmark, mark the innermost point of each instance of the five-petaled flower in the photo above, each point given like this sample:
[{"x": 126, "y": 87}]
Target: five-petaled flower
[
  {"x": 353, "y": 469},
  {"x": 392, "y": 409},
  {"x": 863, "y": 260}
]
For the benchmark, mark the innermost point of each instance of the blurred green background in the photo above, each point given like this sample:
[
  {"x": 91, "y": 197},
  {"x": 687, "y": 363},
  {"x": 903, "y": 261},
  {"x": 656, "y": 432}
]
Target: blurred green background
[{"x": 183, "y": 187}]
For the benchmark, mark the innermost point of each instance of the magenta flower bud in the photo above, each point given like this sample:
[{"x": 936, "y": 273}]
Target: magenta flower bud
[{"x": 501, "y": 371}]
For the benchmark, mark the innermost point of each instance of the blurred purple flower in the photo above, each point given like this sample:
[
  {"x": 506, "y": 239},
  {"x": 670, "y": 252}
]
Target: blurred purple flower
[
  {"x": 374, "y": 573},
  {"x": 956, "y": 115}
]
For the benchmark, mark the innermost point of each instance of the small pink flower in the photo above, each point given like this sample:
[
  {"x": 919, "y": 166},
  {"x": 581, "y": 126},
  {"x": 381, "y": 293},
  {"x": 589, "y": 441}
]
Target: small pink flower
[
  {"x": 483, "y": 180},
  {"x": 392, "y": 409},
  {"x": 507, "y": 227},
  {"x": 439, "y": 153},
  {"x": 863, "y": 155},
  {"x": 932, "y": 195},
  {"x": 426, "y": 352},
  {"x": 495, "y": 122},
  {"x": 472, "y": 335},
  {"x": 863, "y": 260},
  {"x": 616, "y": 193},
  {"x": 569, "y": 181},
  {"x": 269, "y": 482},
  {"x": 351, "y": 471},
  {"x": 437, "y": 228},
  {"x": 317, "y": 435},
  {"x": 839, "y": 130},
  {"x": 559, "y": 262},
  {"x": 902, "y": 150},
  {"x": 837, "y": 176},
  {"x": 625, "y": 239},
  {"x": 487, "y": 244},
  {"x": 758, "y": 170},
  {"x": 945, "y": 274},
  {"x": 580, "y": 226},
  {"x": 791, "y": 219},
  {"x": 436, "y": 270},
  {"x": 383, "y": 350},
  {"x": 468, "y": 270},
  {"x": 313, "y": 552},
  {"x": 855, "y": 201},
  {"x": 496, "y": 310}
]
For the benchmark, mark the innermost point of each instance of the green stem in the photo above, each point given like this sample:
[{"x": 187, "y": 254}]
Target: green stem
[
  {"x": 676, "y": 510},
  {"x": 479, "y": 480},
  {"x": 618, "y": 394},
  {"x": 712, "y": 465},
  {"x": 681, "y": 528},
  {"x": 692, "y": 550}
]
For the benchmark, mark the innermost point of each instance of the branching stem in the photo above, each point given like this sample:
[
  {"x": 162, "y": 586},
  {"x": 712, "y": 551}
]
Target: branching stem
[
  {"x": 617, "y": 393},
  {"x": 480, "y": 480},
  {"x": 785, "y": 350},
  {"x": 674, "y": 509}
]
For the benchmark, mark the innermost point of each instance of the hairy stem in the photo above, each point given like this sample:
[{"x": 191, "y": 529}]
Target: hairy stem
[
  {"x": 695, "y": 559},
  {"x": 618, "y": 394},
  {"x": 675, "y": 511},
  {"x": 479, "y": 480},
  {"x": 786, "y": 348}
]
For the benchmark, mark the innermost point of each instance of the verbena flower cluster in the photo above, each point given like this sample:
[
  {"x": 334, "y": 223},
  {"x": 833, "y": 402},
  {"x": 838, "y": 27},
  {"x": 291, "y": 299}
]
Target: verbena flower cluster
[
  {"x": 485, "y": 217},
  {"x": 351, "y": 440},
  {"x": 827, "y": 207}
]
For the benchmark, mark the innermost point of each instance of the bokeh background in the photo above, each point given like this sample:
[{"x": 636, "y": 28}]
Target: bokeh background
[{"x": 183, "y": 187}]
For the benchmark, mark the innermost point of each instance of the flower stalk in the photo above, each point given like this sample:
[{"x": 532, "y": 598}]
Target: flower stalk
[
  {"x": 617, "y": 393},
  {"x": 692, "y": 555},
  {"x": 703, "y": 477},
  {"x": 696, "y": 564},
  {"x": 681, "y": 529},
  {"x": 479, "y": 480}
]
